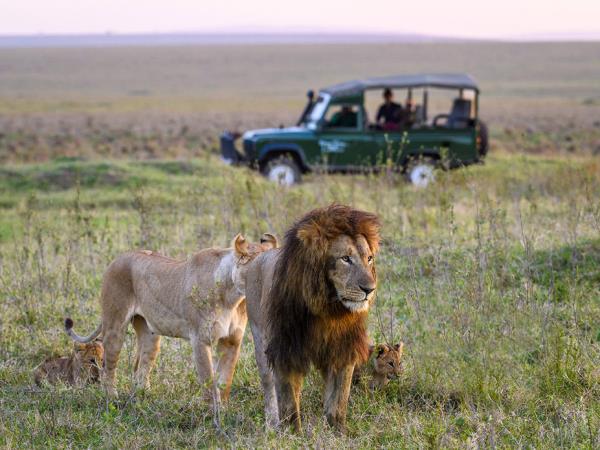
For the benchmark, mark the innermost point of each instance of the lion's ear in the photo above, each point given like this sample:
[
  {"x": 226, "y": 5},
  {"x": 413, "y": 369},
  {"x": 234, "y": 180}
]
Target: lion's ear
[
  {"x": 381, "y": 349},
  {"x": 269, "y": 239},
  {"x": 399, "y": 348},
  {"x": 240, "y": 245}
]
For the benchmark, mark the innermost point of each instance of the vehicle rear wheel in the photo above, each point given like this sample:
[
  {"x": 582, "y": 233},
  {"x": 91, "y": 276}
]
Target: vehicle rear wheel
[
  {"x": 420, "y": 172},
  {"x": 282, "y": 170}
]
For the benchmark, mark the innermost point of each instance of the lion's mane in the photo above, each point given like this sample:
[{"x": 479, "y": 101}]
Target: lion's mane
[{"x": 305, "y": 321}]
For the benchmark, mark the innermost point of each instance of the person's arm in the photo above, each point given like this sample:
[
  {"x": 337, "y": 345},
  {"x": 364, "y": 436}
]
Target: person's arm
[{"x": 379, "y": 114}]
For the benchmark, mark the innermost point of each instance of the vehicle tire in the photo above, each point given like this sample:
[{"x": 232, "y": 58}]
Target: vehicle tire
[
  {"x": 283, "y": 170},
  {"x": 483, "y": 143},
  {"x": 420, "y": 172}
]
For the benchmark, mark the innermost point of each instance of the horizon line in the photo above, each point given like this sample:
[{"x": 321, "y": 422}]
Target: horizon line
[{"x": 249, "y": 37}]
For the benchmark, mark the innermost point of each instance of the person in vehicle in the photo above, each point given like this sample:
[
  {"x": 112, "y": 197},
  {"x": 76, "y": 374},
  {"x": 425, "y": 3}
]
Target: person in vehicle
[
  {"x": 390, "y": 114},
  {"x": 344, "y": 118}
]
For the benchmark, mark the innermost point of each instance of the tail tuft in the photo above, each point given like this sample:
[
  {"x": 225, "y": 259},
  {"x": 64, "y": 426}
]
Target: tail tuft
[{"x": 68, "y": 324}]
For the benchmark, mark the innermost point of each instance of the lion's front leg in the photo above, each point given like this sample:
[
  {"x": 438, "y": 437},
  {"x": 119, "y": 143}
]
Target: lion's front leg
[
  {"x": 228, "y": 351},
  {"x": 337, "y": 392},
  {"x": 288, "y": 387},
  {"x": 204, "y": 367}
]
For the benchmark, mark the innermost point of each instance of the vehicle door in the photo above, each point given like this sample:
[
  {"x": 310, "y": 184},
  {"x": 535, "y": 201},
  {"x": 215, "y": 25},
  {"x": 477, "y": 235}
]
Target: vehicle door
[
  {"x": 390, "y": 145},
  {"x": 342, "y": 139}
]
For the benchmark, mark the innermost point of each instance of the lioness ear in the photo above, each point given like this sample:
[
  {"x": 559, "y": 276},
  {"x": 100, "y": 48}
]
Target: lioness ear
[
  {"x": 268, "y": 238},
  {"x": 240, "y": 245}
]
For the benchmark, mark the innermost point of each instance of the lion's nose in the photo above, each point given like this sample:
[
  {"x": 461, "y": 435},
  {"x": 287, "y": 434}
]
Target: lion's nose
[{"x": 366, "y": 290}]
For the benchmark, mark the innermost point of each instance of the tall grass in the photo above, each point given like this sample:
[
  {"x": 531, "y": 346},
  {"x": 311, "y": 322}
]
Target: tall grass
[{"x": 490, "y": 276}]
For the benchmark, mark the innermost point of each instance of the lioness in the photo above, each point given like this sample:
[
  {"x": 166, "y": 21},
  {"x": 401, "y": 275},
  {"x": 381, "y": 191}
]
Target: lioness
[
  {"x": 308, "y": 303},
  {"x": 200, "y": 299},
  {"x": 83, "y": 366}
]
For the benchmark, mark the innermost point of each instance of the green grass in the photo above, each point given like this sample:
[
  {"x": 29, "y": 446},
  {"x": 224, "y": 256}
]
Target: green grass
[{"x": 490, "y": 276}]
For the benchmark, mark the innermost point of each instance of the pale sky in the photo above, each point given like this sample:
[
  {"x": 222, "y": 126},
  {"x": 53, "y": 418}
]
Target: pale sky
[{"x": 454, "y": 18}]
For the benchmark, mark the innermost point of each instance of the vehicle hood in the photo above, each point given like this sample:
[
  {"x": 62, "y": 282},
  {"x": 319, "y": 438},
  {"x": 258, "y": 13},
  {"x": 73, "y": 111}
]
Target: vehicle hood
[{"x": 276, "y": 132}]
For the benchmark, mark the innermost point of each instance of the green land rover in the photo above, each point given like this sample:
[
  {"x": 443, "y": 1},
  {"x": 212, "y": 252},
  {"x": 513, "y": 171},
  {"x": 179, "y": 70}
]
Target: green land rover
[{"x": 336, "y": 134}]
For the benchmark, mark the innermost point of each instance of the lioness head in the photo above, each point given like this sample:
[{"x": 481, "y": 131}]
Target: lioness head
[{"x": 244, "y": 252}]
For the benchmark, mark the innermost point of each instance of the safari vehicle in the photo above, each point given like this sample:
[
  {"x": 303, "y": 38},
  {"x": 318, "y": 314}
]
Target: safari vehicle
[{"x": 415, "y": 147}]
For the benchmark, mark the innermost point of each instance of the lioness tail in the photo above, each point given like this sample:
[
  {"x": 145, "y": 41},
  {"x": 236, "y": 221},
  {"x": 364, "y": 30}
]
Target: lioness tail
[{"x": 76, "y": 337}]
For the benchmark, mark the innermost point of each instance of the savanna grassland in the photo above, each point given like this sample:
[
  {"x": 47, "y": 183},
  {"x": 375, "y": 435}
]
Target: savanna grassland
[{"x": 490, "y": 276}]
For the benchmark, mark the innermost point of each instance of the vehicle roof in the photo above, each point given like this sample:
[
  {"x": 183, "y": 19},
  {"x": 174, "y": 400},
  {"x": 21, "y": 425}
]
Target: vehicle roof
[{"x": 444, "y": 80}]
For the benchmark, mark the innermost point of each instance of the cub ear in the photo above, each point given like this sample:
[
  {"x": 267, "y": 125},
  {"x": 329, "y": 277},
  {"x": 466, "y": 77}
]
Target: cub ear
[
  {"x": 240, "y": 245},
  {"x": 269, "y": 239},
  {"x": 399, "y": 348},
  {"x": 381, "y": 349}
]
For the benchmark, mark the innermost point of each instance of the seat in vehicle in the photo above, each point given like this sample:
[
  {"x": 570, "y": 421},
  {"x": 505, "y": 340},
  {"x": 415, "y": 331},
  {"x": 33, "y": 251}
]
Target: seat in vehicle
[{"x": 460, "y": 114}]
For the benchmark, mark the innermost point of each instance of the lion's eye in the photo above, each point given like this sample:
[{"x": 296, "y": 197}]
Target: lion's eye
[
  {"x": 347, "y": 259},
  {"x": 370, "y": 260},
  {"x": 391, "y": 363}
]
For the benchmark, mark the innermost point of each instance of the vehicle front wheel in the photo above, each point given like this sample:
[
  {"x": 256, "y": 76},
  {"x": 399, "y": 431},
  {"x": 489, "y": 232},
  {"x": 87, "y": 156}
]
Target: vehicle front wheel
[
  {"x": 282, "y": 170},
  {"x": 420, "y": 172}
]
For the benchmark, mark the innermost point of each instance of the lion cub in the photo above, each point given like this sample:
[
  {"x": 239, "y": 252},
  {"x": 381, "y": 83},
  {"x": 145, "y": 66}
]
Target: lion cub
[
  {"x": 83, "y": 366},
  {"x": 385, "y": 365}
]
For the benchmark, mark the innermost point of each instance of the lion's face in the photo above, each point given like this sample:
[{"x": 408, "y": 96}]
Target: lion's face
[
  {"x": 351, "y": 271},
  {"x": 244, "y": 252}
]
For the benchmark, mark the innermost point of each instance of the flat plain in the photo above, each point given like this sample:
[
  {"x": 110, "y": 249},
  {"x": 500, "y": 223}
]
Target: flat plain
[{"x": 490, "y": 276}]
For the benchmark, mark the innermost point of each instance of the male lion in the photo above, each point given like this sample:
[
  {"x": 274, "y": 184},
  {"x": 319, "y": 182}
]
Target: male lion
[
  {"x": 200, "y": 299},
  {"x": 308, "y": 303},
  {"x": 83, "y": 366}
]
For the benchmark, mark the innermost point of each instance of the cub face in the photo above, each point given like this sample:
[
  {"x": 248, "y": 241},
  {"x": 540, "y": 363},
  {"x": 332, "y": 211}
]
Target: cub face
[
  {"x": 387, "y": 362},
  {"x": 91, "y": 358}
]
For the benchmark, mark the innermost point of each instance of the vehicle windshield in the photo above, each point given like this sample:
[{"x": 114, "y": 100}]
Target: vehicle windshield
[{"x": 317, "y": 111}]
